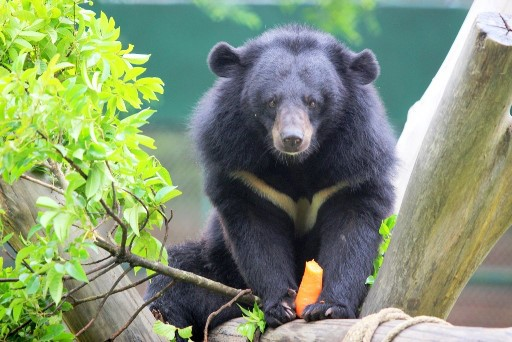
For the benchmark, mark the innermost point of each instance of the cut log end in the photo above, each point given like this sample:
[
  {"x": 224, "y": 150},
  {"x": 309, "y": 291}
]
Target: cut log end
[{"x": 496, "y": 26}]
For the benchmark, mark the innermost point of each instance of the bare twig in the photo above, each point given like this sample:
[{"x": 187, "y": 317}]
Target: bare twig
[
  {"x": 8, "y": 280},
  {"x": 100, "y": 306},
  {"x": 75, "y": 289},
  {"x": 121, "y": 289},
  {"x": 40, "y": 182},
  {"x": 225, "y": 306},
  {"x": 189, "y": 277},
  {"x": 98, "y": 268},
  {"x": 146, "y": 303},
  {"x": 164, "y": 242},
  {"x": 96, "y": 261}
]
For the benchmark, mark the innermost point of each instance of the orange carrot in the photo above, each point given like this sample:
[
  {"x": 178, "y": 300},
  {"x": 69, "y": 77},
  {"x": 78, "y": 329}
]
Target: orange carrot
[{"x": 310, "y": 286}]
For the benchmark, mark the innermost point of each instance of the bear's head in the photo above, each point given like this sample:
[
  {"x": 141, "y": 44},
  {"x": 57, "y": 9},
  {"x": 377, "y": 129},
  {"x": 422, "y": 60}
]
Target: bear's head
[{"x": 294, "y": 80}]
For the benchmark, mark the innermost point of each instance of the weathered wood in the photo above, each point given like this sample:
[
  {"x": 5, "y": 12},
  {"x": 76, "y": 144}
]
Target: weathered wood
[
  {"x": 457, "y": 203},
  {"x": 335, "y": 329},
  {"x": 18, "y": 200},
  {"x": 421, "y": 113}
]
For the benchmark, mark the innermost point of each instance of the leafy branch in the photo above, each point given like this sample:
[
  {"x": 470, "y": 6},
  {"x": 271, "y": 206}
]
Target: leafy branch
[{"x": 72, "y": 108}]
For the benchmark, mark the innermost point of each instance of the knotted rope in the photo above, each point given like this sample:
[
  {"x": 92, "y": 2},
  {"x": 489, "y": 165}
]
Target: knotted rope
[{"x": 363, "y": 330}]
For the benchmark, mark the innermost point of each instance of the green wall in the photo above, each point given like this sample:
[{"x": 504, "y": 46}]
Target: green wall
[{"x": 410, "y": 46}]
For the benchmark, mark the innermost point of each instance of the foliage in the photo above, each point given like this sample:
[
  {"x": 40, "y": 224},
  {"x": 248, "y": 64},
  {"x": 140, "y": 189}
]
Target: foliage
[
  {"x": 335, "y": 16},
  {"x": 223, "y": 10},
  {"x": 255, "y": 320},
  {"x": 169, "y": 331},
  {"x": 71, "y": 105},
  {"x": 385, "y": 230}
]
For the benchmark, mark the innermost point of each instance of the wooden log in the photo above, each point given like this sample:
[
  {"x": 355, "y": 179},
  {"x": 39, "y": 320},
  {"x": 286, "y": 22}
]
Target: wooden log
[
  {"x": 457, "y": 203},
  {"x": 335, "y": 330},
  {"x": 421, "y": 113},
  {"x": 18, "y": 200}
]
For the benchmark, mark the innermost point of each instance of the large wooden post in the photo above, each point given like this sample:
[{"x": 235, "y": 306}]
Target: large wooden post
[{"x": 458, "y": 201}]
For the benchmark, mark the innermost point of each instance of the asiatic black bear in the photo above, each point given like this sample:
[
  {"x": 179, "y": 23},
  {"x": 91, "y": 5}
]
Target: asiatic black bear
[{"x": 297, "y": 155}]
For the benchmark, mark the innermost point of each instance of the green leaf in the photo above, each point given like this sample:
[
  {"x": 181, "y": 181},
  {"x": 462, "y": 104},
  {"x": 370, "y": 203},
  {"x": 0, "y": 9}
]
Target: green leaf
[
  {"x": 74, "y": 269},
  {"x": 245, "y": 311},
  {"x": 185, "y": 332},
  {"x": 54, "y": 284},
  {"x": 255, "y": 320},
  {"x": 47, "y": 202},
  {"x": 32, "y": 285},
  {"x": 62, "y": 225},
  {"x": 23, "y": 43},
  {"x": 94, "y": 182},
  {"x": 32, "y": 35},
  {"x": 135, "y": 58},
  {"x": 97, "y": 151},
  {"x": 131, "y": 215},
  {"x": 166, "y": 194},
  {"x": 6, "y": 238},
  {"x": 2, "y": 312},
  {"x": 45, "y": 219},
  {"x": 247, "y": 329},
  {"x": 16, "y": 311},
  {"x": 370, "y": 280},
  {"x": 24, "y": 253},
  {"x": 52, "y": 331},
  {"x": 163, "y": 329}
]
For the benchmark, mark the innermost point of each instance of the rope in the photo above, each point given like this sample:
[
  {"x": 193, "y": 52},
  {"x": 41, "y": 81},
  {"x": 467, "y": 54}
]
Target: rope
[{"x": 364, "y": 330}]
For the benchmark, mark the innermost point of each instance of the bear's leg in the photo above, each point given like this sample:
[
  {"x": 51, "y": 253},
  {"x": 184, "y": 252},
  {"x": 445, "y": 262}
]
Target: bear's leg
[
  {"x": 349, "y": 239},
  {"x": 185, "y": 304}
]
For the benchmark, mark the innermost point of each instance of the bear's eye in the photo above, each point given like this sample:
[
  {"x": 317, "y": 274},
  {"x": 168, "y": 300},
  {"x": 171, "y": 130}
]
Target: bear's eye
[
  {"x": 272, "y": 103},
  {"x": 311, "y": 104}
]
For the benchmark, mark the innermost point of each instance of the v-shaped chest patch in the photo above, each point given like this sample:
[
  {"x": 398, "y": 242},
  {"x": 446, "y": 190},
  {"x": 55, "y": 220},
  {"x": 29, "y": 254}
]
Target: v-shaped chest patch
[{"x": 302, "y": 212}]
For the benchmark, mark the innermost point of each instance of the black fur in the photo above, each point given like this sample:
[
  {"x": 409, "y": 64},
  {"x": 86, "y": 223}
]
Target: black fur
[{"x": 251, "y": 242}]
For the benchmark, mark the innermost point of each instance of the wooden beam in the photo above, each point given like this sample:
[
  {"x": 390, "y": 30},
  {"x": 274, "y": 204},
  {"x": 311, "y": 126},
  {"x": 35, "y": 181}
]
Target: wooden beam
[{"x": 335, "y": 330}]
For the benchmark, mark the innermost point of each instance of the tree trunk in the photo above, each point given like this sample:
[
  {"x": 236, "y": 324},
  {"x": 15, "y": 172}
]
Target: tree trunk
[
  {"x": 457, "y": 203},
  {"x": 18, "y": 200},
  {"x": 421, "y": 113},
  {"x": 335, "y": 330}
]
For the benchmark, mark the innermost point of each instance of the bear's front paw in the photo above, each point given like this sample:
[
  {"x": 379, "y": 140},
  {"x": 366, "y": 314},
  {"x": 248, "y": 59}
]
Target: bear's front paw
[
  {"x": 318, "y": 311},
  {"x": 283, "y": 311}
]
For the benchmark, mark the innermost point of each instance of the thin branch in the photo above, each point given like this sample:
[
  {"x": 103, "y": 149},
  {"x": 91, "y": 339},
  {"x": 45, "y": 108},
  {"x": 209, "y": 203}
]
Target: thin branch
[
  {"x": 189, "y": 277},
  {"x": 97, "y": 261},
  {"x": 124, "y": 288},
  {"x": 8, "y": 280},
  {"x": 96, "y": 269},
  {"x": 225, "y": 306},
  {"x": 55, "y": 168},
  {"x": 164, "y": 242},
  {"x": 100, "y": 306},
  {"x": 64, "y": 298},
  {"x": 40, "y": 182},
  {"x": 106, "y": 270},
  {"x": 146, "y": 303}
]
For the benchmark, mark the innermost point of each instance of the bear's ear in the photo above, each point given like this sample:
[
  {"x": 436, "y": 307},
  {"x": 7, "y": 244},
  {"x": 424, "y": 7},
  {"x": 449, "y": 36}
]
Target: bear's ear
[
  {"x": 365, "y": 66},
  {"x": 224, "y": 60}
]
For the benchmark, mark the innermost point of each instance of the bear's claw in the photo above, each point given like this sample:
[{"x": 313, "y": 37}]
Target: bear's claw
[
  {"x": 318, "y": 311},
  {"x": 283, "y": 311}
]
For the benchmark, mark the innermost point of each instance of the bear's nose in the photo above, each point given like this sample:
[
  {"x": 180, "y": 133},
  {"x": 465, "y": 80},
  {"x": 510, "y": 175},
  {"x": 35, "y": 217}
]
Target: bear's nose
[{"x": 292, "y": 142}]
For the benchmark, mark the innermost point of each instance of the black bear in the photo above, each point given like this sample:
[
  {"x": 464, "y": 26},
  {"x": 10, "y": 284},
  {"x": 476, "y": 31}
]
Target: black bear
[{"x": 298, "y": 156}]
